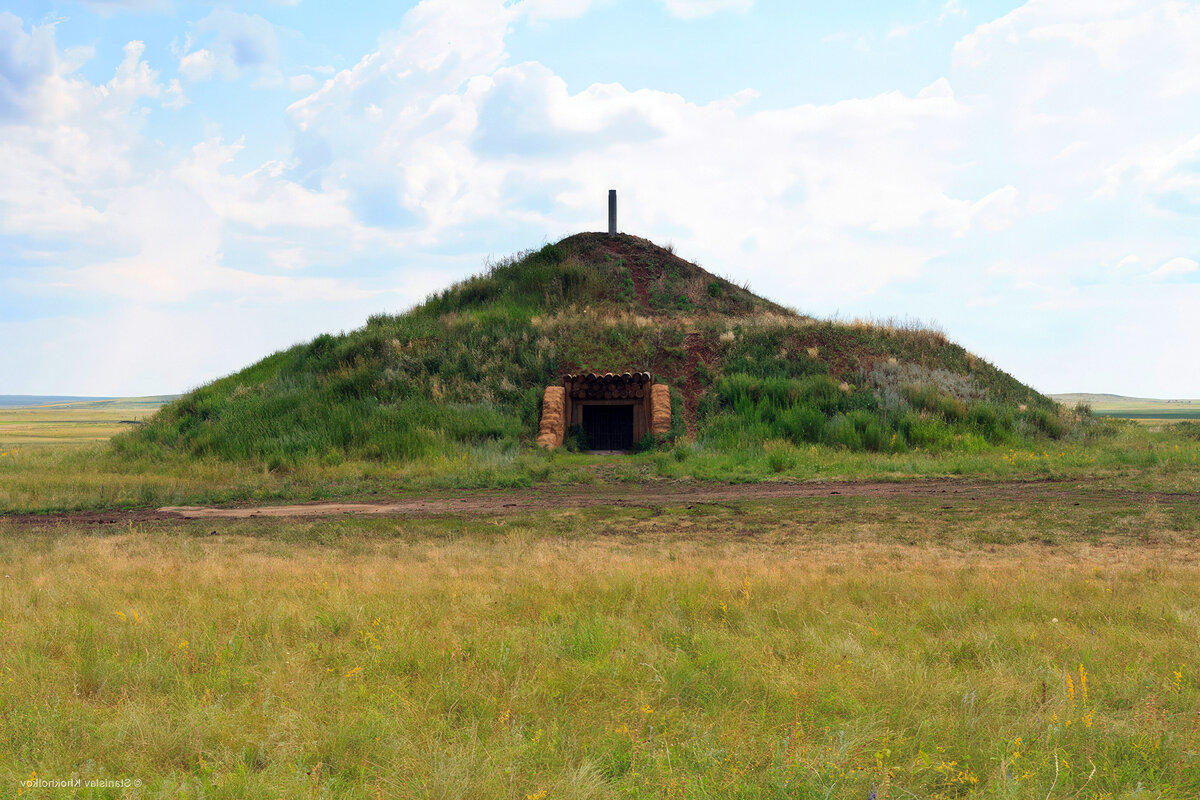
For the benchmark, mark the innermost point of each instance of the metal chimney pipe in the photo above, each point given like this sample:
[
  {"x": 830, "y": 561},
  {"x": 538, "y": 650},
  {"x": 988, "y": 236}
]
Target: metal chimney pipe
[{"x": 612, "y": 212}]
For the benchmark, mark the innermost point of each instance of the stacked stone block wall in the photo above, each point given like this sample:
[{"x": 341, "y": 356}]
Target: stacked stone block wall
[
  {"x": 660, "y": 409},
  {"x": 553, "y": 428}
]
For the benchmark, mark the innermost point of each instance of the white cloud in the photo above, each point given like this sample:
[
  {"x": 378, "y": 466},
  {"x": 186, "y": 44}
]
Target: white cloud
[
  {"x": 998, "y": 210},
  {"x": 1043, "y": 179},
  {"x": 134, "y": 78},
  {"x": 175, "y": 98},
  {"x": 951, "y": 8},
  {"x": 198, "y": 65},
  {"x": 261, "y": 198},
  {"x": 302, "y": 83},
  {"x": 809, "y": 179},
  {"x": 140, "y": 349},
  {"x": 543, "y": 10},
  {"x": 1068, "y": 96},
  {"x": 72, "y": 144},
  {"x": 233, "y": 43},
  {"x": 1113, "y": 32},
  {"x": 109, "y": 7},
  {"x": 1175, "y": 268},
  {"x": 27, "y": 60},
  {"x": 1165, "y": 177},
  {"x": 80, "y": 174},
  {"x": 289, "y": 258},
  {"x": 904, "y": 31},
  {"x": 691, "y": 9},
  {"x": 455, "y": 151},
  {"x": 1129, "y": 265}
]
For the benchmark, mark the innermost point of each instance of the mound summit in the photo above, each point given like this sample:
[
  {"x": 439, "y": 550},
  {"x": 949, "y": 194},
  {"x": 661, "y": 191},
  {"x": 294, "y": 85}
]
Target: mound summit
[{"x": 467, "y": 371}]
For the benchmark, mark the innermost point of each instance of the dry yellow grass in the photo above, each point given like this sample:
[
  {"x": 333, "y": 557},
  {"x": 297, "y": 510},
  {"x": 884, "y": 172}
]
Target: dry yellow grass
[{"x": 491, "y": 658}]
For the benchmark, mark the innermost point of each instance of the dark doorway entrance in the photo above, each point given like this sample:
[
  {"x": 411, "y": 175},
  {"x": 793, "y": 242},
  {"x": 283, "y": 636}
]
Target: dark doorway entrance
[{"x": 609, "y": 427}]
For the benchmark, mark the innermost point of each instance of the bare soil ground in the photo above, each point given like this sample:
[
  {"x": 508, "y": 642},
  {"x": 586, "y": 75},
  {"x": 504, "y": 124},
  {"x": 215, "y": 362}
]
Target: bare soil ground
[{"x": 489, "y": 503}]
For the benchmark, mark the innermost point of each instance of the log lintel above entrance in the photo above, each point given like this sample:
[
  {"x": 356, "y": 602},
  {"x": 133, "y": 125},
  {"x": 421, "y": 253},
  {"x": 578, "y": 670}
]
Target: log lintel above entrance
[{"x": 608, "y": 385}]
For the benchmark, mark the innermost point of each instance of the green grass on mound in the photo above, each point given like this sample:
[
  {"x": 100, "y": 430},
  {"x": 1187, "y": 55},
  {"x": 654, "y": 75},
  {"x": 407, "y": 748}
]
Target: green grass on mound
[{"x": 465, "y": 372}]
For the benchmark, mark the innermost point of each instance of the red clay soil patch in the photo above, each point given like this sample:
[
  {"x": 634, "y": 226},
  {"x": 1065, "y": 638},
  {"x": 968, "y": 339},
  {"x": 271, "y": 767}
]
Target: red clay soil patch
[
  {"x": 699, "y": 350},
  {"x": 647, "y": 263},
  {"x": 650, "y": 496}
]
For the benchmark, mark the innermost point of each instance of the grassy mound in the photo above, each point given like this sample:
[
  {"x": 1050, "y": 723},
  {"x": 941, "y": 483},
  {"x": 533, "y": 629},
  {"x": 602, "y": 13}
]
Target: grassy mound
[{"x": 464, "y": 372}]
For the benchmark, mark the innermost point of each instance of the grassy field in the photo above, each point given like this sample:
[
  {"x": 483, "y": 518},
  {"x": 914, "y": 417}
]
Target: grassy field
[
  {"x": 1110, "y": 405},
  {"x": 40, "y": 479},
  {"x": 814, "y": 649},
  {"x": 832, "y": 647},
  {"x": 83, "y": 422}
]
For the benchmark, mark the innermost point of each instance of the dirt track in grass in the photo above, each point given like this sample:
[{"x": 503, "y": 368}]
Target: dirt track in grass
[{"x": 487, "y": 503}]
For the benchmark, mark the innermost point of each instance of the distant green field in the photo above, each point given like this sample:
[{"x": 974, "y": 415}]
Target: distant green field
[
  {"x": 1111, "y": 405},
  {"x": 76, "y": 422},
  {"x": 1141, "y": 413}
]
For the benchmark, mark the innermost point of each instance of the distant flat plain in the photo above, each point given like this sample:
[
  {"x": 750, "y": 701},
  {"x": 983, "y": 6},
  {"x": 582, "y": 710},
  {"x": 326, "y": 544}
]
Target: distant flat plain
[
  {"x": 47, "y": 421},
  {"x": 1140, "y": 408}
]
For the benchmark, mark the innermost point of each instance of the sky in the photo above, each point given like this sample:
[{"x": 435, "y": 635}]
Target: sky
[{"x": 189, "y": 186}]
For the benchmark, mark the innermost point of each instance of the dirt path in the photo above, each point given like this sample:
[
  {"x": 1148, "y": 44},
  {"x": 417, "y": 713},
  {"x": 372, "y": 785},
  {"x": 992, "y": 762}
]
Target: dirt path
[{"x": 654, "y": 495}]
